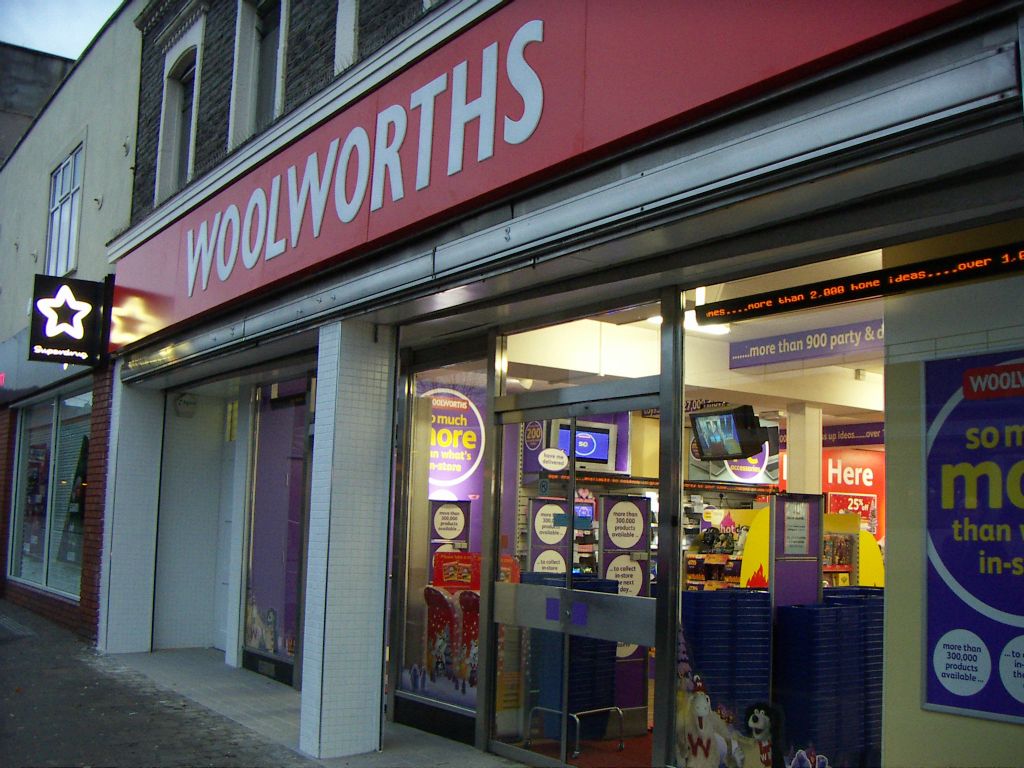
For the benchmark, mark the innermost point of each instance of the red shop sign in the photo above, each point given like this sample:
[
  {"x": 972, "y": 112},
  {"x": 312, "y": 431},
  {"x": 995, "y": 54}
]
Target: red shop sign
[{"x": 529, "y": 91}]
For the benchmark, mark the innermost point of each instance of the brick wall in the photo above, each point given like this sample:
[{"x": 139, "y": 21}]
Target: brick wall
[
  {"x": 309, "y": 66},
  {"x": 7, "y": 426},
  {"x": 309, "y": 69},
  {"x": 215, "y": 88},
  {"x": 95, "y": 497},
  {"x": 383, "y": 20},
  {"x": 80, "y": 617},
  {"x": 150, "y": 99}
]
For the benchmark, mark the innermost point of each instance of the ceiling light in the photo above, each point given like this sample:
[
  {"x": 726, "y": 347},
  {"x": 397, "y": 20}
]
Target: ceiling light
[{"x": 690, "y": 324}]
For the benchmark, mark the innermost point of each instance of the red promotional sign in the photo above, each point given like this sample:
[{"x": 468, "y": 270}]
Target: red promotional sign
[
  {"x": 529, "y": 91},
  {"x": 854, "y": 480},
  {"x": 993, "y": 382}
]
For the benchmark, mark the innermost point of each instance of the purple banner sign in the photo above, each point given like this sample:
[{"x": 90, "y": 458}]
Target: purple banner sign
[
  {"x": 549, "y": 535},
  {"x": 456, "y": 451},
  {"x": 449, "y": 526},
  {"x": 625, "y": 531},
  {"x": 848, "y": 435},
  {"x": 974, "y": 652},
  {"x": 834, "y": 341}
]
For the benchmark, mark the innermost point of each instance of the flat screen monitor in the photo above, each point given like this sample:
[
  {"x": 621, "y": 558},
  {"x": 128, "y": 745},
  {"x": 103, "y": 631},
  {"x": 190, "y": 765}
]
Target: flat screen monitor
[
  {"x": 584, "y": 511},
  {"x": 733, "y": 432}
]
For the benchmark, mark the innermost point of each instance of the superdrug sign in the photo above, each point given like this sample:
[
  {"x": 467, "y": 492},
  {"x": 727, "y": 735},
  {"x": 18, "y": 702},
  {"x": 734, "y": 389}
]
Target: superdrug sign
[{"x": 69, "y": 321}]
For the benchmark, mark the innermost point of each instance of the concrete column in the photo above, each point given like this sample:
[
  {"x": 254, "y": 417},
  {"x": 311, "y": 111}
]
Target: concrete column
[
  {"x": 803, "y": 448},
  {"x": 343, "y": 641},
  {"x": 129, "y": 534}
]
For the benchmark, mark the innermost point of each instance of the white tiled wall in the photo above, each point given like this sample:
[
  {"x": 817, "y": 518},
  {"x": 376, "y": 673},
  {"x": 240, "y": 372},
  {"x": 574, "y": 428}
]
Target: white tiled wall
[
  {"x": 187, "y": 538},
  {"x": 129, "y": 546},
  {"x": 347, "y": 548}
]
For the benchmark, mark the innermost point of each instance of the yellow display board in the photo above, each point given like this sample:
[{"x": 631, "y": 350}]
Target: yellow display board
[{"x": 754, "y": 571}]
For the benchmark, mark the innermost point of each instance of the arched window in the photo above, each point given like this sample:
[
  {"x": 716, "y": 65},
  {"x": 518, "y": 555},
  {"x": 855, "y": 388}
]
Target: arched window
[{"x": 182, "y": 77}]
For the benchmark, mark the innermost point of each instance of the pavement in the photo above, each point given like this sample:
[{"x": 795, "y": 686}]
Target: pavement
[{"x": 62, "y": 703}]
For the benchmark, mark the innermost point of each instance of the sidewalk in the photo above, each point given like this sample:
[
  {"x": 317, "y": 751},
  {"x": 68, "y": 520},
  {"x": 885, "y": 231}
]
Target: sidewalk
[{"x": 64, "y": 704}]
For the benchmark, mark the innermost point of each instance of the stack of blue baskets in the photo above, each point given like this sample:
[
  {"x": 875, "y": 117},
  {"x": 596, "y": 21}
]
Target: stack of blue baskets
[
  {"x": 807, "y": 676},
  {"x": 828, "y": 675},
  {"x": 868, "y": 603},
  {"x": 728, "y": 639}
]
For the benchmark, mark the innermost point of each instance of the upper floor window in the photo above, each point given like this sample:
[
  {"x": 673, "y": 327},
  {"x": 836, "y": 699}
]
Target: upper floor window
[
  {"x": 346, "y": 37},
  {"x": 257, "y": 91},
  {"x": 65, "y": 208},
  {"x": 182, "y": 76},
  {"x": 185, "y": 83}
]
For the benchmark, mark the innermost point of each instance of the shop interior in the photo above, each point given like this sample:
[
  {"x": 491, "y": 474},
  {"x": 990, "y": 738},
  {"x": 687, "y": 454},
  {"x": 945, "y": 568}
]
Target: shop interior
[{"x": 802, "y": 394}]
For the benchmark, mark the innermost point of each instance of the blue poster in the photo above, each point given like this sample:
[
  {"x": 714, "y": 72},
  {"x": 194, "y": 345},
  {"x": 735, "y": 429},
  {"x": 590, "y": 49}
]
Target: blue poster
[{"x": 974, "y": 419}]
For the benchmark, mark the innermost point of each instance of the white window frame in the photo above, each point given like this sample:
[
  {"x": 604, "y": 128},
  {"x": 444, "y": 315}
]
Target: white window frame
[
  {"x": 346, "y": 35},
  {"x": 190, "y": 39},
  {"x": 65, "y": 213},
  {"x": 246, "y": 76}
]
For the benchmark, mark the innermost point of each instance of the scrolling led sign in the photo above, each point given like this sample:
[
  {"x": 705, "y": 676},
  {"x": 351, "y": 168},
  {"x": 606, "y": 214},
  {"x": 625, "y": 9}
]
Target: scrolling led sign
[
  {"x": 867, "y": 285},
  {"x": 67, "y": 321}
]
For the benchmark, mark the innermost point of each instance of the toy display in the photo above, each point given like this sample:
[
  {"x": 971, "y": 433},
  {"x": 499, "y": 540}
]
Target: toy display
[
  {"x": 762, "y": 749},
  {"x": 703, "y": 739}
]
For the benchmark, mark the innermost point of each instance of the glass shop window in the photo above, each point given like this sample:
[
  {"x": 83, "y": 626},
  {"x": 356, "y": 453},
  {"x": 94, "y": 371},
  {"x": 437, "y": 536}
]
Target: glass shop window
[
  {"x": 445, "y": 518},
  {"x": 51, "y": 480}
]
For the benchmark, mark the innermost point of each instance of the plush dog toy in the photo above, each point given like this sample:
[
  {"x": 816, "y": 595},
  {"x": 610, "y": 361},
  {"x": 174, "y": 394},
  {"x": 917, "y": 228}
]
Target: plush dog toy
[{"x": 763, "y": 748}]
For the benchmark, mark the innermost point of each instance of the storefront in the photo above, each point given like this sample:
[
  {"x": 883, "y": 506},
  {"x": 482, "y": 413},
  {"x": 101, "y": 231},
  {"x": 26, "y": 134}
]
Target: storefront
[{"x": 659, "y": 363}]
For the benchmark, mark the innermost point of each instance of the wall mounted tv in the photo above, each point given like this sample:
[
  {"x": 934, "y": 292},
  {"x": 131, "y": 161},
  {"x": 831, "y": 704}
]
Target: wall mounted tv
[
  {"x": 596, "y": 443},
  {"x": 731, "y": 432}
]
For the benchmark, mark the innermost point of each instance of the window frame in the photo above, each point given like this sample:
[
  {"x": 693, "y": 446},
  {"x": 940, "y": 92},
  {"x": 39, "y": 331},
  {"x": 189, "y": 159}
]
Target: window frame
[
  {"x": 59, "y": 241},
  {"x": 55, "y": 404},
  {"x": 247, "y": 77},
  {"x": 182, "y": 57},
  {"x": 346, "y": 35}
]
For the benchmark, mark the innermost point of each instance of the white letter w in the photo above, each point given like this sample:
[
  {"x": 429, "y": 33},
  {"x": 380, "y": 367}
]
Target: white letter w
[{"x": 201, "y": 251}]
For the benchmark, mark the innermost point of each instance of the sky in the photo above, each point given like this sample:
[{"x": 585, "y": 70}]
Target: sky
[{"x": 62, "y": 27}]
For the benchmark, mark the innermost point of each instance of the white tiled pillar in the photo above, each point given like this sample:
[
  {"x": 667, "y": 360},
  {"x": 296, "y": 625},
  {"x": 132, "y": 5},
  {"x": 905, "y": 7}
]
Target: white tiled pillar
[
  {"x": 343, "y": 643},
  {"x": 129, "y": 530}
]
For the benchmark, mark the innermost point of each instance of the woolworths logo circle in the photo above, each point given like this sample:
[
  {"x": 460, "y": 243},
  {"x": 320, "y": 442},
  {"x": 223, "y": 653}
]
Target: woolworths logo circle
[{"x": 456, "y": 437}]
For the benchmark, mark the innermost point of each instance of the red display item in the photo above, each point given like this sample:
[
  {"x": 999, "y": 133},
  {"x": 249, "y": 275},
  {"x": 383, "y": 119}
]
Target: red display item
[
  {"x": 441, "y": 652},
  {"x": 457, "y": 570},
  {"x": 469, "y": 604}
]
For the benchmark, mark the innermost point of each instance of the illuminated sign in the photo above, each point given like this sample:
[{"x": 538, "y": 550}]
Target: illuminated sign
[
  {"x": 68, "y": 321},
  {"x": 868, "y": 285},
  {"x": 533, "y": 90}
]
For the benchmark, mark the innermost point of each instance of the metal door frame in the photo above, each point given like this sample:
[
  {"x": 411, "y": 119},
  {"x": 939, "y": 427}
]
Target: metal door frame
[{"x": 664, "y": 391}]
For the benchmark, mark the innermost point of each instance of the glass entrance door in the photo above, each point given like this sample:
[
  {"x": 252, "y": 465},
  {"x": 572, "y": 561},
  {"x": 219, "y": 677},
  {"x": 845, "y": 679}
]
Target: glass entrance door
[
  {"x": 278, "y": 517},
  {"x": 574, "y": 606}
]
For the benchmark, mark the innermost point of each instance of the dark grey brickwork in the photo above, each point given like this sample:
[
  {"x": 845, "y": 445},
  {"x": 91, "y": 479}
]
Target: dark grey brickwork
[
  {"x": 215, "y": 88},
  {"x": 309, "y": 69},
  {"x": 383, "y": 20},
  {"x": 150, "y": 96}
]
